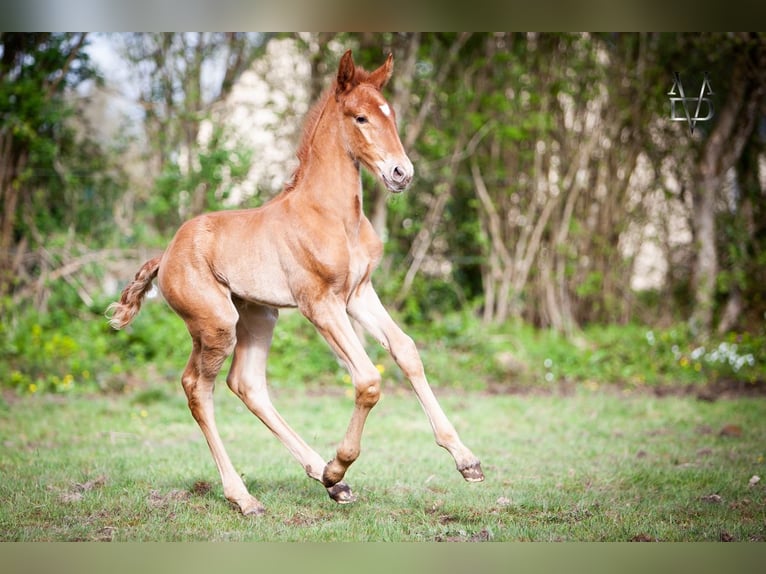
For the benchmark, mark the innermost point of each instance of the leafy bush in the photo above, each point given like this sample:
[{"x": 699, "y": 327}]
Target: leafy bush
[
  {"x": 58, "y": 352},
  {"x": 65, "y": 352},
  {"x": 76, "y": 351},
  {"x": 637, "y": 356}
]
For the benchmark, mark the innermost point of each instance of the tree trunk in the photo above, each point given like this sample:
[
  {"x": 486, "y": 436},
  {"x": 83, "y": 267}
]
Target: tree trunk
[
  {"x": 706, "y": 264},
  {"x": 720, "y": 152},
  {"x": 501, "y": 263},
  {"x": 10, "y": 167}
]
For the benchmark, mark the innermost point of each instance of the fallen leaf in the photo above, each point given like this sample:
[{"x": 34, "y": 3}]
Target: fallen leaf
[
  {"x": 713, "y": 498},
  {"x": 730, "y": 430}
]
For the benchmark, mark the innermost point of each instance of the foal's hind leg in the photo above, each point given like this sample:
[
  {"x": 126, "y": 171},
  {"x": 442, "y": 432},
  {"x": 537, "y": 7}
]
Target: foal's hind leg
[
  {"x": 247, "y": 378},
  {"x": 213, "y": 340}
]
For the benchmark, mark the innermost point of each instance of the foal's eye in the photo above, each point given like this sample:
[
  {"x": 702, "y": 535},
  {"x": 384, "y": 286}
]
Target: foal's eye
[{"x": 361, "y": 120}]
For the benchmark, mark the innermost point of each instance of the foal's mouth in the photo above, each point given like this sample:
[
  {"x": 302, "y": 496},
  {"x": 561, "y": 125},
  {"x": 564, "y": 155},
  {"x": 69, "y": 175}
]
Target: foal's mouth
[{"x": 395, "y": 187}]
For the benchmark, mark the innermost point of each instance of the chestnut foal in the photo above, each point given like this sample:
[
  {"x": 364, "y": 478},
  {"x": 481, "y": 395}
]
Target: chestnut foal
[{"x": 227, "y": 273}]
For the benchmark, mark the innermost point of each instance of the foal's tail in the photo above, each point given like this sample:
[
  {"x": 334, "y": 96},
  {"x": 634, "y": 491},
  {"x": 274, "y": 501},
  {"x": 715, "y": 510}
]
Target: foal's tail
[{"x": 120, "y": 314}]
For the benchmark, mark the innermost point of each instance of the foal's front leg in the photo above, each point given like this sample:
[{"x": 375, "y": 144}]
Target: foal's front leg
[
  {"x": 369, "y": 311},
  {"x": 330, "y": 318}
]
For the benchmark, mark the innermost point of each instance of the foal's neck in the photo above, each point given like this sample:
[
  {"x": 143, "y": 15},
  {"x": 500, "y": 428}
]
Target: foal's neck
[{"x": 331, "y": 178}]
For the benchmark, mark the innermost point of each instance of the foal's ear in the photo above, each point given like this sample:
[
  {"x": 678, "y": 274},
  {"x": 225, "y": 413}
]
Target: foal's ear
[
  {"x": 346, "y": 72},
  {"x": 380, "y": 77}
]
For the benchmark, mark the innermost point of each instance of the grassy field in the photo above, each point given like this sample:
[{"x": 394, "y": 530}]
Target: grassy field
[{"x": 591, "y": 466}]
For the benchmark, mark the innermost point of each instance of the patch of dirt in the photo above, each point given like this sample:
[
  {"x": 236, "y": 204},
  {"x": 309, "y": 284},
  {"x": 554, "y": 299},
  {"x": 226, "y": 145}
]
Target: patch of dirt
[
  {"x": 644, "y": 538},
  {"x": 712, "y": 498},
  {"x": 482, "y": 536},
  {"x": 447, "y": 518},
  {"x": 159, "y": 499},
  {"x": 303, "y": 519},
  {"x": 201, "y": 488},
  {"x": 76, "y": 493},
  {"x": 106, "y": 534},
  {"x": 732, "y": 389},
  {"x": 563, "y": 388},
  {"x": 730, "y": 430},
  {"x": 97, "y": 482},
  {"x": 715, "y": 390},
  {"x": 721, "y": 389}
]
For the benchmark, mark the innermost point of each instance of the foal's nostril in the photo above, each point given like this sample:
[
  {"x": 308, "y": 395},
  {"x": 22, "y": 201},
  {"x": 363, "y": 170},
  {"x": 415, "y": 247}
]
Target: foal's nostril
[{"x": 397, "y": 176}]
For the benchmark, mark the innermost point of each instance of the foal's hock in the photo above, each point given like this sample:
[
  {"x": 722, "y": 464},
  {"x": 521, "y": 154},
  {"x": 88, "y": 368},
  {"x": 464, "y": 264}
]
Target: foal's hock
[{"x": 227, "y": 273}]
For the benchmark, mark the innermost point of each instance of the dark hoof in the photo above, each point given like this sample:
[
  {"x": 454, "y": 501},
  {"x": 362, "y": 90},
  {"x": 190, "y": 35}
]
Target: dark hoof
[
  {"x": 341, "y": 493},
  {"x": 249, "y": 507},
  {"x": 254, "y": 511},
  {"x": 472, "y": 473}
]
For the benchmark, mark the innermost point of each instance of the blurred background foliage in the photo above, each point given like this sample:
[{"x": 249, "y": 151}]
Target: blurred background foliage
[{"x": 561, "y": 229}]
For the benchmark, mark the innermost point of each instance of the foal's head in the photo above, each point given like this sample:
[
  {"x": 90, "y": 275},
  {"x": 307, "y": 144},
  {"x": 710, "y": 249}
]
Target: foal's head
[{"x": 368, "y": 123}]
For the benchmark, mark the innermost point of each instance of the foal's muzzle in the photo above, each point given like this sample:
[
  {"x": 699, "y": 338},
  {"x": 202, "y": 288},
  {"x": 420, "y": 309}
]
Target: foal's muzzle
[{"x": 397, "y": 176}]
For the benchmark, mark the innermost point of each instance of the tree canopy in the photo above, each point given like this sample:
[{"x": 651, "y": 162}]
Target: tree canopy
[{"x": 552, "y": 186}]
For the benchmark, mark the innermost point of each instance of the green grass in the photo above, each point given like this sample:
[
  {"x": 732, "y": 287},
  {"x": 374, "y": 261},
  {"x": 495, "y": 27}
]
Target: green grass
[{"x": 589, "y": 467}]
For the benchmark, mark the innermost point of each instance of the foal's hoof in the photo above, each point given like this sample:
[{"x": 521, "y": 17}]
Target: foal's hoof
[
  {"x": 251, "y": 507},
  {"x": 341, "y": 493},
  {"x": 254, "y": 511},
  {"x": 472, "y": 472}
]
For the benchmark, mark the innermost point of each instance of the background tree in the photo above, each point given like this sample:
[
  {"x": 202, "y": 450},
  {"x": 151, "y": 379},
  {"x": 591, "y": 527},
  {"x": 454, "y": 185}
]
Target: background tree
[
  {"x": 546, "y": 166},
  {"x": 181, "y": 76},
  {"x": 53, "y": 177},
  {"x": 711, "y": 168}
]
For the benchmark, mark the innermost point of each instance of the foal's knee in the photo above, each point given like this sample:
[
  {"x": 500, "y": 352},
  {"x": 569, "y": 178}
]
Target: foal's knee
[
  {"x": 250, "y": 389},
  {"x": 368, "y": 391}
]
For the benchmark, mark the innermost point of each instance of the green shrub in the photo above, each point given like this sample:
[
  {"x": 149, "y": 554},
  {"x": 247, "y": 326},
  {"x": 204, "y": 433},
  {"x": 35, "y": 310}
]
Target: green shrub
[
  {"x": 69, "y": 352},
  {"x": 636, "y": 356},
  {"x": 73, "y": 349}
]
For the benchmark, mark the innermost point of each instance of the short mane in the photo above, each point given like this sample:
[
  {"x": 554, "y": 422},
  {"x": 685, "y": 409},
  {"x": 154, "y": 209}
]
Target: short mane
[{"x": 309, "y": 126}]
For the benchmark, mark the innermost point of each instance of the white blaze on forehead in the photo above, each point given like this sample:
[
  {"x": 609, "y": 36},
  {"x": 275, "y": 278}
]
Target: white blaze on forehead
[{"x": 385, "y": 109}]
